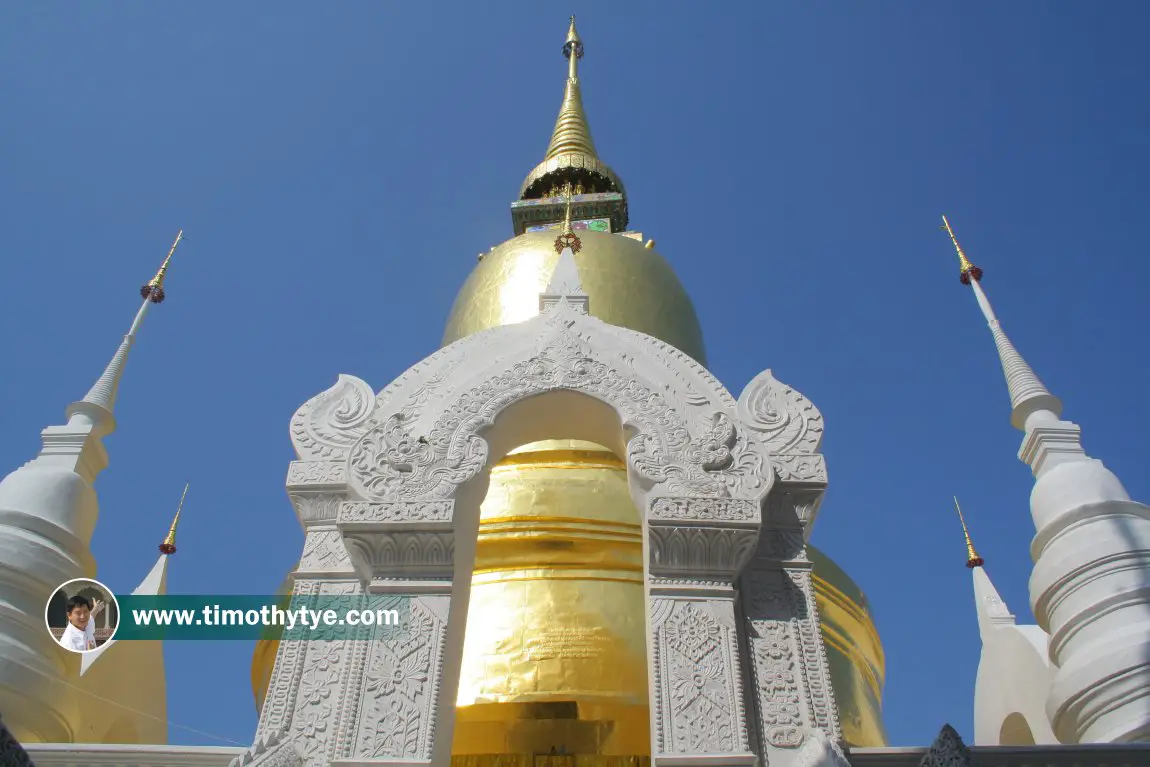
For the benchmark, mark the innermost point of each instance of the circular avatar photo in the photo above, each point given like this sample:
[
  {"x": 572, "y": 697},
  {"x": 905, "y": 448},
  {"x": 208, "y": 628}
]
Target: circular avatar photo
[{"x": 82, "y": 615}]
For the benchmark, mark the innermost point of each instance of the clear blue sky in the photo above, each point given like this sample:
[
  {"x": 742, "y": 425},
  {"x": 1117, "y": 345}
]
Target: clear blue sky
[{"x": 338, "y": 167}]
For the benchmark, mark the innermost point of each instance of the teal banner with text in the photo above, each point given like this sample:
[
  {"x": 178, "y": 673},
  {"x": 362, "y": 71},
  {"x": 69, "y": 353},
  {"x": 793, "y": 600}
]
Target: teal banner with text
[{"x": 238, "y": 617}]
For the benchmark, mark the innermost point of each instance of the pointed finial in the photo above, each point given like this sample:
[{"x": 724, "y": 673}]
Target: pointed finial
[
  {"x": 968, "y": 271},
  {"x": 972, "y": 558},
  {"x": 568, "y": 239},
  {"x": 153, "y": 290},
  {"x": 169, "y": 544},
  {"x": 573, "y": 45}
]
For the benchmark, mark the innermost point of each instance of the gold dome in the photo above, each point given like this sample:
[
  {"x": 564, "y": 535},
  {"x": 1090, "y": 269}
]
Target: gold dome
[{"x": 628, "y": 285}]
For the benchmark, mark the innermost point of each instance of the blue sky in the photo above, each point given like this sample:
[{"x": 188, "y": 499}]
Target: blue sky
[{"x": 338, "y": 167}]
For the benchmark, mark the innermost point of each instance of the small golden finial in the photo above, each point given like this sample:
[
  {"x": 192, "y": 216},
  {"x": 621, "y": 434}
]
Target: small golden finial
[
  {"x": 169, "y": 544},
  {"x": 972, "y": 558},
  {"x": 573, "y": 45},
  {"x": 154, "y": 289},
  {"x": 968, "y": 270},
  {"x": 568, "y": 238}
]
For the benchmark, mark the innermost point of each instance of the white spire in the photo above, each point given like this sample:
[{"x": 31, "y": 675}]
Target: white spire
[
  {"x": 48, "y": 512},
  {"x": 102, "y": 395},
  {"x": 1091, "y": 562},
  {"x": 1027, "y": 393},
  {"x": 155, "y": 584}
]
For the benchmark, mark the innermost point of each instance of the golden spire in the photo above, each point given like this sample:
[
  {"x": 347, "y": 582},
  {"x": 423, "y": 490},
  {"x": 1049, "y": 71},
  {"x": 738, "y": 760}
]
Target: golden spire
[
  {"x": 571, "y": 154},
  {"x": 154, "y": 289},
  {"x": 972, "y": 558},
  {"x": 572, "y": 135},
  {"x": 169, "y": 544},
  {"x": 968, "y": 270}
]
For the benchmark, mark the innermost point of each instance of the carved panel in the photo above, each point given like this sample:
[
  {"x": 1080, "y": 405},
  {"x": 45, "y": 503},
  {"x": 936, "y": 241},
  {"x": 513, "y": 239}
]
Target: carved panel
[
  {"x": 793, "y": 507},
  {"x": 324, "y": 550},
  {"x": 700, "y": 551},
  {"x": 330, "y": 423},
  {"x": 316, "y": 508},
  {"x": 705, "y": 509},
  {"x": 279, "y": 702},
  {"x": 317, "y": 473},
  {"x": 400, "y": 688},
  {"x": 789, "y": 664},
  {"x": 697, "y": 690},
  {"x": 409, "y": 511},
  {"x": 800, "y": 467},
  {"x": 789, "y": 422},
  {"x": 393, "y": 462},
  {"x": 402, "y": 554}
]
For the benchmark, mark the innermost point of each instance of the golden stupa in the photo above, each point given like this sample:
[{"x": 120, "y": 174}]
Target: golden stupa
[{"x": 555, "y": 648}]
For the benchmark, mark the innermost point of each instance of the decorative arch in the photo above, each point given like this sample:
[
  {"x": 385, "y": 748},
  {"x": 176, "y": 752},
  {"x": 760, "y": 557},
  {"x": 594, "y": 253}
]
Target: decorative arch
[{"x": 388, "y": 487}]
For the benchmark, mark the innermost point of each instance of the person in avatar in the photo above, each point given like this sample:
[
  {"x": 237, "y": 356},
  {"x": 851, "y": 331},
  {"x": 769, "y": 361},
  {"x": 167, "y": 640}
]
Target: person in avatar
[{"x": 80, "y": 635}]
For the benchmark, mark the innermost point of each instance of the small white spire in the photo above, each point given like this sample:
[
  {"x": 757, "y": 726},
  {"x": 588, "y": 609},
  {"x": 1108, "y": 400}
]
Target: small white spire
[
  {"x": 103, "y": 392},
  {"x": 1028, "y": 395}
]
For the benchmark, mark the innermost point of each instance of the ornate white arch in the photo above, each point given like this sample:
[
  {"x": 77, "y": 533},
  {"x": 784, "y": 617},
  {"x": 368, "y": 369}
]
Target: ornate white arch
[{"x": 388, "y": 487}]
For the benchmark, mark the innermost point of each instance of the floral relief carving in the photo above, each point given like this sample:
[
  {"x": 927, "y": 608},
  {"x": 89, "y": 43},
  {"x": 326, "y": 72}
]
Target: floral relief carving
[
  {"x": 800, "y": 467},
  {"x": 700, "y": 551},
  {"x": 393, "y": 462},
  {"x": 324, "y": 550},
  {"x": 331, "y": 422},
  {"x": 415, "y": 511},
  {"x": 316, "y": 508},
  {"x": 399, "y": 690},
  {"x": 316, "y": 699},
  {"x": 705, "y": 509},
  {"x": 286, "y": 673},
  {"x": 696, "y": 671},
  {"x": 777, "y": 677},
  {"x": 317, "y": 473},
  {"x": 789, "y": 660},
  {"x": 789, "y": 422},
  {"x": 403, "y": 554}
]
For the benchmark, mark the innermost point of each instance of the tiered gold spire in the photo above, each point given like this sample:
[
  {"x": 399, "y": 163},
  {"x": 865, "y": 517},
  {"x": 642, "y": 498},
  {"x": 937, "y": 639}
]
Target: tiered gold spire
[
  {"x": 169, "y": 544},
  {"x": 972, "y": 558},
  {"x": 968, "y": 270},
  {"x": 572, "y": 134},
  {"x": 571, "y": 156}
]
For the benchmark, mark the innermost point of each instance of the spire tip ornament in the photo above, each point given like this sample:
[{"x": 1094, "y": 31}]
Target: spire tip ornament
[
  {"x": 169, "y": 544},
  {"x": 968, "y": 270},
  {"x": 568, "y": 238},
  {"x": 153, "y": 290},
  {"x": 972, "y": 558}
]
